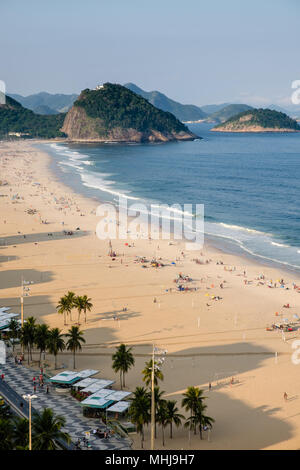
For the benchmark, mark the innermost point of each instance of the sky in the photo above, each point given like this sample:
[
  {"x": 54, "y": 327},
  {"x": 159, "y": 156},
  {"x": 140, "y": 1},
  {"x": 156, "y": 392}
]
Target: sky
[{"x": 195, "y": 51}]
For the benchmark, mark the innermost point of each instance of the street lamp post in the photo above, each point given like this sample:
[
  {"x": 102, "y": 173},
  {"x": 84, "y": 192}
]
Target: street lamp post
[
  {"x": 29, "y": 398},
  {"x": 152, "y": 400}
]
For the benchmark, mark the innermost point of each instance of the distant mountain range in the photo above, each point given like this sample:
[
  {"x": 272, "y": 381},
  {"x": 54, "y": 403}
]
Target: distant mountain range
[
  {"x": 46, "y": 103},
  {"x": 183, "y": 112},
  {"x": 228, "y": 111}
]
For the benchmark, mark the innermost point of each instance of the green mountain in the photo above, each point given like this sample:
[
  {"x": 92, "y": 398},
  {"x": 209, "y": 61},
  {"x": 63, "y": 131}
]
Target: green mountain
[
  {"x": 213, "y": 108},
  {"x": 183, "y": 112},
  {"x": 228, "y": 112},
  {"x": 259, "y": 120},
  {"x": 46, "y": 102},
  {"x": 115, "y": 113},
  {"x": 16, "y": 119}
]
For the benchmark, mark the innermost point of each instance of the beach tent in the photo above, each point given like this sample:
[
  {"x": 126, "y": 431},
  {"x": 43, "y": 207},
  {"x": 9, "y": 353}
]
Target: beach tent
[
  {"x": 85, "y": 382},
  {"x": 99, "y": 385},
  {"x": 68, "y": 377},
  {"x": 96, "y": 402},
  {"x": 118, "y": 395},
  {"x": 119, "y": 407}
]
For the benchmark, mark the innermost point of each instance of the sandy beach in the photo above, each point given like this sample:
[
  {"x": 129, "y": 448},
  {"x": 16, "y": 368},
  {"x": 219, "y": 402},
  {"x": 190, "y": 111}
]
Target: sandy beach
[{"x": 208, "y": 340}]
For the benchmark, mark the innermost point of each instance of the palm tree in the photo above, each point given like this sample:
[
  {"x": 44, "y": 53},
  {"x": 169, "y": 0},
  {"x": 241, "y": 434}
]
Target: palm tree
[
  {"x": 158, "y": 375},
  {"x": 87, "y": 305},
  {"x": 6, "y": 434},
  {"x": 79, "y": 304},
  {"x": 55, "y": 343},
  {"x": 47, "y": 429},
  {"x": 21, "y": 436},
  {"x": 162, "y": 417},
  {"x": 70, "y": 299},
  {"x": 74, "y": 342},
  {"x": 139, "y": 410},
  {"x": 199, "y": 419},
  {"x": 28, "y": 335},
  {"x": 173, "y": 416},
  {"x": 63, "y": 307},
  {"x": 122, "y": 361},
  {"x": 14, "y": 331},
  {"x": 193, "y": 401},
  {"x": 41, "y": 338}
]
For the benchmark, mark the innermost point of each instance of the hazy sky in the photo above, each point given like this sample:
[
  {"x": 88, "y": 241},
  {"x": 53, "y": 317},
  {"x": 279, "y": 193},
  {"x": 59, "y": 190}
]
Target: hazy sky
[{"x": 195, "y": 51}]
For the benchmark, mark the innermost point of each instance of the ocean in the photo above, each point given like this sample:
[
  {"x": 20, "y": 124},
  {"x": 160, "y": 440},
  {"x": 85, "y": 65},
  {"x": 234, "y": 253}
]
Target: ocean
[{"x": 249, "y": 184}]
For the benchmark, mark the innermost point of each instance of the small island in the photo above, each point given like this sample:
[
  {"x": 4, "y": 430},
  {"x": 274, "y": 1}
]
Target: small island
[
  {"x": 113, "y": 113},
  {"x": 258, "y": 120}
]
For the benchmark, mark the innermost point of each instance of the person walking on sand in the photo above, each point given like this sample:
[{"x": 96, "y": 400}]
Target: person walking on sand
[
  {"x": 209, "y": 386},
  {"x": 285, "y": 396}
]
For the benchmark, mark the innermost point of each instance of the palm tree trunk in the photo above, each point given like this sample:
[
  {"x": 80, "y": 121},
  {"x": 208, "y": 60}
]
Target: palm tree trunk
[
  {"x": 65, "y": 318},
  {"x": 74, "y": 359},
  {"x": 142, "y": 439},
  {"x": 171, "y": 433},
  {"x": 121, "y": 379},
  {"x": 163, "y": 435},
  {"x": 55, "y": 365},
  {"x": 200, "y": 429},
  {"x": 40, "y": 358}
]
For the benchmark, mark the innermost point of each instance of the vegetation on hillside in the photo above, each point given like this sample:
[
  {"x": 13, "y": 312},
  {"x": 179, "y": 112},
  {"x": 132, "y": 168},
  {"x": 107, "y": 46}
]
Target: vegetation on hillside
[
  {"x": 265, "y": 118},
  {"x": 15, "y": 118},
  {"x": 116, "y": 106},
  {"x": 183, "y": 112}
]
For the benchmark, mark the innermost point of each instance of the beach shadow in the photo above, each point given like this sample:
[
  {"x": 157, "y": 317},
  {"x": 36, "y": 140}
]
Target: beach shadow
[
  {"x": 6, "y": 259},
  {"x": 256, "y": 427},
  {"x": 119, "y": 314},
  {"x": 21, "y": 239},
  {"x": 34, "y": 306},
  {"x": 13, "y": 278}
]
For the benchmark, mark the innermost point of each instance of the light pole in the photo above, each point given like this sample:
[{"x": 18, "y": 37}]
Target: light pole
[
  {"x": 154, "y": 367},
  {"x": 25, "y": 291},
  {"x": 29, "y": 398},
  {"x": 152, "y": 399}
]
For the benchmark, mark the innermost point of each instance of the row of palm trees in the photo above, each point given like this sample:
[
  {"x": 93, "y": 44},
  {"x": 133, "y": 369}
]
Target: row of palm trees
[
  {"x": 46, "y": 431},
  {"x": 69, "y": 301},
  {"x": 45, "y": 339},
  {"x": 166, "y": 411}
]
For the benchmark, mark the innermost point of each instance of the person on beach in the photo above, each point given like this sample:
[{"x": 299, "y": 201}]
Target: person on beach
[{"x": 285, "y": 397}]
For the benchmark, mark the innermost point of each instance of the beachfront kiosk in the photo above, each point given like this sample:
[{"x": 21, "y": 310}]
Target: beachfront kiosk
[
  {"x": 68, "y": 378},
  {"x": 98, "y": 404}
]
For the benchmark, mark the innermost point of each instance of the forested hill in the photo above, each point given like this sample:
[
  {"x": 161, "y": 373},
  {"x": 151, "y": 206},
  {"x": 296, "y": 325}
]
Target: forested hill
[
  {"x": 113, "y": 112},
  {"x": 16, "y": 119},
  {"x": 259, "y": 120}
]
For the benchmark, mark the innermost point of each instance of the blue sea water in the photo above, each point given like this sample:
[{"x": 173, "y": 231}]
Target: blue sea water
[{"x": 249, "y": 184}]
